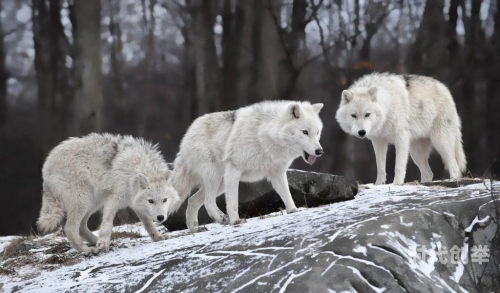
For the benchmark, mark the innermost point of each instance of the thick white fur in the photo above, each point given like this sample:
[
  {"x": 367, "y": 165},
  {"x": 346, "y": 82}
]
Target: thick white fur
[
  {"x": 252, "y": 143},
  {"x": 83, "y": 175},
  {"x": 412, "y": 112}
]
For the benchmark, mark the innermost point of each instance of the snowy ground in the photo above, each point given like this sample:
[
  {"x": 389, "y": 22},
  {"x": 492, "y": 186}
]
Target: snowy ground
[{"x": 271, "y": 253}]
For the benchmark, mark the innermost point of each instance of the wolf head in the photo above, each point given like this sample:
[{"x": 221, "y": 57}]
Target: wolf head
[
  {"x": 156, "y": 199},
  {"x": 359, "y": 113},
  {"x": 302, "y": 131}
]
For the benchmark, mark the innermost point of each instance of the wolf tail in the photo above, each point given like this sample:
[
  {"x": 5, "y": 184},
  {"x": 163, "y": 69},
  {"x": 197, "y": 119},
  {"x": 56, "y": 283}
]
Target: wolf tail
[
  {"x": 183, "y": 182},
  {"x": 51, "y": 213},
  {"x": 460, "y": 156}
]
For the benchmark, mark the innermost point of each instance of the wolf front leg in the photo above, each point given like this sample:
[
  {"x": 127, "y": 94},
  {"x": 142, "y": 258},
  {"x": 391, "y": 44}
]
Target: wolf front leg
[
  {"x": 232, "y": 180},
  {"x": 148, "y": 223},
  {"x": 380, "y": 148},
  {"x": 108, "y": 215},
  {"x": 402, "y": 150},
  {"x": 280, "y": 184}
]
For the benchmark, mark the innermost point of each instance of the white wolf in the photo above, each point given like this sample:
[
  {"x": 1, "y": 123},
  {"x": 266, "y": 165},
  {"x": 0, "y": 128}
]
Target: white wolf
[
  {"x": 412, "y": 112},
  {"x": 252, "y": 143},
  {"x": 82, "y": 175}
]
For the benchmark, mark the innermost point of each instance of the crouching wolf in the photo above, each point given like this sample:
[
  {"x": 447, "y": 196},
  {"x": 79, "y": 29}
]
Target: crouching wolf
[
  {"x": 412, "y": 112},
  {"x": 252, "y": 143},
  {"x": 82, "y": 175}
]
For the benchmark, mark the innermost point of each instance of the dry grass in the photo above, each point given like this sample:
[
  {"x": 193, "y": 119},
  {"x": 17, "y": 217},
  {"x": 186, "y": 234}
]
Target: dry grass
[
  {"x": 125, "y": 234},
  {"x": 7, "y": 271}
]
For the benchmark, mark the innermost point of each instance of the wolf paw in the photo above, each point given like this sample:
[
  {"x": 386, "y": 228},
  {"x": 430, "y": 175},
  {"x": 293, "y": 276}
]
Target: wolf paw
[
  {"x": 221, "y": 219},
  {"x": 103, "y": 244},
  {"x": 237, "y": 221},
  {"x": 159, "y": 237},
  {"x": 292, "y": 210},
  {"x": 90, "y": 250},
  {"x": 195, "y": 228},
  {"x": 398, "y": 182},
  {"x": 202, "y": 229}
]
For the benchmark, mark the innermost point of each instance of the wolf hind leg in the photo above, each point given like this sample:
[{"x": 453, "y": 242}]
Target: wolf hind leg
[
  {"x": 212, "y": 186},
  {"x": 445, "y": 143},
  {"x": 86, "y": 233},
  {"x": 194, "y": 204},
  {"x": 419, "y": 152},
  {"x": 72, "y": 228}
]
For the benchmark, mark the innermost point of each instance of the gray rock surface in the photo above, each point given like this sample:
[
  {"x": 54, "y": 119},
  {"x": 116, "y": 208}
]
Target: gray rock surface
[
  {"x": 363, "y": 245},
  {"x": 308, "y": 189}
]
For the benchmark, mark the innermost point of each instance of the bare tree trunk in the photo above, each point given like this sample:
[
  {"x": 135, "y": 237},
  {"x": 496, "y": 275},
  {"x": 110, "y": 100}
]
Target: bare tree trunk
[
  {"x": 87, "y": 66},
  {"x": 247, "y": 56},
  {"x": 206, "y": 66},
  {"x": 453, "y": 44},
  {"x": 493, "y": 92},
  {"x": 427, "y": 56},
  {"x": 3, "y": 77},
  {"x": 44, "y": 68},
  {"x": 150, "y": 53},
  {"x": 231, "y": 30},
  {"x": 268, "y": 51},
  {"x": 357, "y": 21},
  {"x": 116, "y": 51},
  {"x": 298, "y": 32},
  {"x": 60, "y": 49},
  {"x": 469, "y": 76}
]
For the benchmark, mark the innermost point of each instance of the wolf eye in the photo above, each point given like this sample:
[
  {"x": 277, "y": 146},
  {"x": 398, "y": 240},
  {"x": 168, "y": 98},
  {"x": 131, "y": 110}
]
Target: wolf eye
[
  {"x": 305, "y": 132},
  {"x": 354, "y": 116},
  {"x": 151, "y": 201},
  {"x": 164, "y": 200},
  {"x": 367, "y": 115}
]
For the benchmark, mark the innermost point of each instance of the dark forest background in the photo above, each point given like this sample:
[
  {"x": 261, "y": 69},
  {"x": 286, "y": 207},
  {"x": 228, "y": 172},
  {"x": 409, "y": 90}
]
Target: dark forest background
[{"x": 150, "y": 67}]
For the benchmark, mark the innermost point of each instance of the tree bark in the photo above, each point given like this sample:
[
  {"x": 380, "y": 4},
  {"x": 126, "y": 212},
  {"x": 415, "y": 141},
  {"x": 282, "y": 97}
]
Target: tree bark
[
  {"x": 116, "y": 53},
  {"x": 427, "y": 56},
  {"x": 206, "y": 65},
  {"x": 150, "y": 53},
  {"x": 298, "y": 32},
  {"x": 3, "y": 77},
  {"x": 493, "y": 102},
  {"x": 231, "y": 30},
  {"x": 44, "y": 69},
  {"x": 87, "y": 66},
  {"x": 268, "y": 51}
]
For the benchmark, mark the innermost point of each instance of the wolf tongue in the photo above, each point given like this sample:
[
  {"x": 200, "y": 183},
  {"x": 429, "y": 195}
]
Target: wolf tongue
[{"x": 311, "y": 159}]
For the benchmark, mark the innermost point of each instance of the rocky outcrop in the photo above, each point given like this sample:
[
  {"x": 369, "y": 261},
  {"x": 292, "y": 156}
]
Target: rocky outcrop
[
  {"x": 308, "y": 189},
  {"x": 373, "y": 243}
]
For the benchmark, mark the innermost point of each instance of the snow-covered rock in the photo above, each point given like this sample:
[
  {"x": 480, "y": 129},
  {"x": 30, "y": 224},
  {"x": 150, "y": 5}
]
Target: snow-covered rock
[
  {"x": 308, "y": 189},
  {"x": 367, "y": 244}
]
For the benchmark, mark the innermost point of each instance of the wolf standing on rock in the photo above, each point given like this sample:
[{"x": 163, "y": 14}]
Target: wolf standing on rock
[
  {"x": 412, "y": 112},
  {"x": 83, "y": 175},
  {"x": 252, "y": 143}
]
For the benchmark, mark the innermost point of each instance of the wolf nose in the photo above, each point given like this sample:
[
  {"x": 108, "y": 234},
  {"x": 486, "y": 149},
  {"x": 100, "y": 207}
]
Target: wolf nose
[
  {"x": 319, "y": 152},
  {"x": 361, "y": 133},
  {"x": 160, "y": 218}
]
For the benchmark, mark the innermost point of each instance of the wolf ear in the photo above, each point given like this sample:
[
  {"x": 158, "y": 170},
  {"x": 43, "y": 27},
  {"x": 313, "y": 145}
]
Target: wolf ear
[
  {"x": 317, "y": 107},
  {"x": 346, "y": 97},
  {"x": 168, "y": 174},
  {"x": 294, "y": 110},
  {"x": 140, "y": 182},
  {"x": 373, "y": 93}
]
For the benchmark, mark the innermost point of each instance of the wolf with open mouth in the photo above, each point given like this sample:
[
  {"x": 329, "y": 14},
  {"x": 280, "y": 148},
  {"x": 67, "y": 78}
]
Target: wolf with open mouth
[{"x": 250, "y": 144}]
